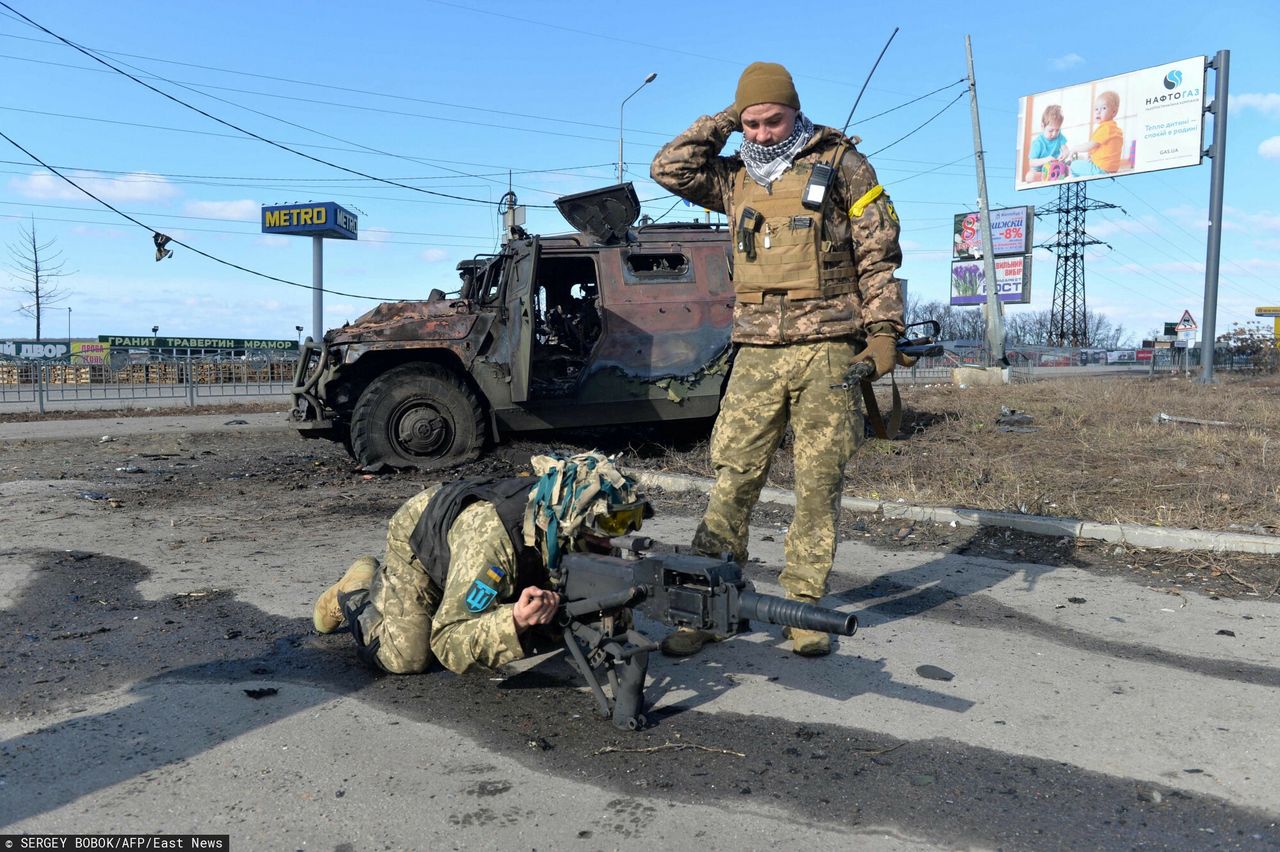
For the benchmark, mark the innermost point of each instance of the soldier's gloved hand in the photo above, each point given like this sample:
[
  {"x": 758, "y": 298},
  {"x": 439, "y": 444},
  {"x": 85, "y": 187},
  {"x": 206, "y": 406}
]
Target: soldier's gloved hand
[
  {"x": 731, "y": 112},
  {"x": 535, "y": 607},
  {"x": 882, "y": 352}
]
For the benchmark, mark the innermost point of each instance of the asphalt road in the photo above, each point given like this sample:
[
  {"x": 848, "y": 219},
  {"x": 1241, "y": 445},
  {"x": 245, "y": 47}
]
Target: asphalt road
[{"x": 1082, "y": 711}]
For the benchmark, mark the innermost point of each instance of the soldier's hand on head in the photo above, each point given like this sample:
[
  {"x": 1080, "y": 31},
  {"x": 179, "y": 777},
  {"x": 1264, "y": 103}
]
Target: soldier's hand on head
[
  {"x": 882, "y": 352},
  {"x": 534, "y": 607},
  {"x": 731, "y": 112}
]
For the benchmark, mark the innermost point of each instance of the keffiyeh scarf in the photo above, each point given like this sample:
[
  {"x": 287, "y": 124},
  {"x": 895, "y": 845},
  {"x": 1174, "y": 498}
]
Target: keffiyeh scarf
[{"x": 766, "y": 163}]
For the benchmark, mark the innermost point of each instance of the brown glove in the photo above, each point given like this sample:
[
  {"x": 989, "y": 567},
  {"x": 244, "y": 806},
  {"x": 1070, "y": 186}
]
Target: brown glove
[{"x": 882, "y": 352}]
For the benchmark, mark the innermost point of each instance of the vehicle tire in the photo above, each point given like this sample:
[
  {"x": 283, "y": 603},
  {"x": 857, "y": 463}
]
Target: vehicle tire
[
  {"x": 344, "y": 435},
  {"x": 416, "y": 416}
]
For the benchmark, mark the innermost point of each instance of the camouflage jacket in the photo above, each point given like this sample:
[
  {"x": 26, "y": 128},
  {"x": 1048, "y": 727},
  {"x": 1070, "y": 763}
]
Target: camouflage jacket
[
  {"x": 474, "y": 626},
  {"x": 691, "y": 166}
]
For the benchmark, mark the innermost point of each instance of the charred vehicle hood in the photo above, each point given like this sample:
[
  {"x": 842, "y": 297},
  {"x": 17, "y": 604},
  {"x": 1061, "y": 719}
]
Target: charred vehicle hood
[{"x": 405, "y": 321}]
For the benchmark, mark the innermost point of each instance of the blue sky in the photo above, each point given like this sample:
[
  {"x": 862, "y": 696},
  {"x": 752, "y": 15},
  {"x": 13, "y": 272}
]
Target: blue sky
[{"x": 451, "y": 96}]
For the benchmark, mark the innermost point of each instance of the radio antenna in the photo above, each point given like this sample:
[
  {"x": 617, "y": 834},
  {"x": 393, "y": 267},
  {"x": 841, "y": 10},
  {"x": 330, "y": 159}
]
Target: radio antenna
[{"x": 847, "y": 121}]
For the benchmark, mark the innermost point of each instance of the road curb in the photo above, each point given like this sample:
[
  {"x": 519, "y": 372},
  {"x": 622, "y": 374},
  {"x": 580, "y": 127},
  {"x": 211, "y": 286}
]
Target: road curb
[{"x": 1135, "y": 535}]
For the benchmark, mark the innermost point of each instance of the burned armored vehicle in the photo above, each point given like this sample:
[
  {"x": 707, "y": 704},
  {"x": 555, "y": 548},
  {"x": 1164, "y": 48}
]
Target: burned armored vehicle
[{"x": 613, "y": 324}]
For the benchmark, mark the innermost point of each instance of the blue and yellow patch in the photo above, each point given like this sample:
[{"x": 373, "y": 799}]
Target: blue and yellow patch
[
  {"x": 480, "y": 596},
  {"x": 495, "y": 574}
]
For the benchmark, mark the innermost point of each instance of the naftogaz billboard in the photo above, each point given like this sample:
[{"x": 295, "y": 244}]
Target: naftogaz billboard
[{"x": 1142, "y": 121}]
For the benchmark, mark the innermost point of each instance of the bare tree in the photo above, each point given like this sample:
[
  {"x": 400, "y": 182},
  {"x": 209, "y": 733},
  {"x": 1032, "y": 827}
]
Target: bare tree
[{"x": 36, "y": 266}]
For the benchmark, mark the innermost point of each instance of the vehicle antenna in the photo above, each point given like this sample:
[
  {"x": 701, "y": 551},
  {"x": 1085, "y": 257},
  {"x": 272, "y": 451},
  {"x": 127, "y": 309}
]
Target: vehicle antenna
[{"x": 845, "y": 129}]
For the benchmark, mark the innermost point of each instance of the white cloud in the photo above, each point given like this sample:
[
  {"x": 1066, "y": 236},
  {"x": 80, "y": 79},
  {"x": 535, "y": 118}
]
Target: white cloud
[
  {"x": 241, "y": 211},
  {"x": 1270, "y": 148},
  {"x": 1250, "y": 220},
  {"x": 136, "y": 187},
  {"x": 374, "y": 235},
  {"x": 1267, "y": 104},
  {"x": 108, "y": 232},
  {"x": 1062, "y": 63},
  {"x": 434, "y": 255},
  {"x": 1103, "y": 229},
  {"x": 273, "y": 241}
]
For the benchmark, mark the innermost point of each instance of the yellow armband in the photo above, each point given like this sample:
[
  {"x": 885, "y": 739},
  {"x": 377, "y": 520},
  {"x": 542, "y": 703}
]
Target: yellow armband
[{"x": 867, "y": 197}]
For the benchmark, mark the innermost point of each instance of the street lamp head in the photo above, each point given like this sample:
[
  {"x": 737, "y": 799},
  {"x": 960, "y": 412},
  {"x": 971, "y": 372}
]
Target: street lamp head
[
  {"x": 647, "y": 80},
  {"x": 155, "y": 329}
]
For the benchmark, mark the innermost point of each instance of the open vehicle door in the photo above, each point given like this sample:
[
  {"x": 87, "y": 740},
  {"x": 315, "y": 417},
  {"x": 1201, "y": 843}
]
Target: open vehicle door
[
  {"x": 518, "y": 298},
  {"x": 606, "y": 214}
]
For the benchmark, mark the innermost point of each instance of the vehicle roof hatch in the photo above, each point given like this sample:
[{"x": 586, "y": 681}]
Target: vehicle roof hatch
[{"x": 605, "y": 214}]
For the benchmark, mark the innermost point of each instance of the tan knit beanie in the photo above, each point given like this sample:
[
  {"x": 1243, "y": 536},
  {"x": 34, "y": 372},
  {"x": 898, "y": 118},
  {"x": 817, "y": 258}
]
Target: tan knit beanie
[{"x": 765, "y": 83}]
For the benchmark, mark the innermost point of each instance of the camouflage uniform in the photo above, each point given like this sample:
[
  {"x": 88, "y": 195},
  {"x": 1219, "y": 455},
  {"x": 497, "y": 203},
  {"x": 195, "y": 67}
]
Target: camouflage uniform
[
  {"x": 790, "y": 350},
  {"x": 409, "y": 621}
]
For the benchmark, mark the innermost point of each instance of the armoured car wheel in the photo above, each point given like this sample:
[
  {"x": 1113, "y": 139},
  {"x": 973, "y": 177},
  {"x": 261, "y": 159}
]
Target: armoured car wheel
[{"x": 416, "y": 415}]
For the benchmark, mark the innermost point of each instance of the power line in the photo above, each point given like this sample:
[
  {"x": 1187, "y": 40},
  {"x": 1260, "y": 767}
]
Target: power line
[
  {"x": 226, "y": 219},
  {"x": 187, "y": 246},
  {"x": 930, "y": 171},
  {"x": 227, "y": 232},
  {"x": 236, "y": 127},
  {"x": 323, "y": 182},
  {"x": 315, "y": 85},
  {"x": 1243, "y": 269},
  {"x": 922, "y": 126},
  {"x": 913, "y": 100}
]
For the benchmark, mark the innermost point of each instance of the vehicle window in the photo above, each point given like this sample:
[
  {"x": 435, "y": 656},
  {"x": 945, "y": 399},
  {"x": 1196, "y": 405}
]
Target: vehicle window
[{"x": 656, "y": 267}]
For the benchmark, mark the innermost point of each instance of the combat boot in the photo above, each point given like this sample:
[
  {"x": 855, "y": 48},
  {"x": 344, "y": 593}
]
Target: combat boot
[
  {"x": 686, "y": 641},
  {"x": 809, "y": 643},
  {"x": 327, "y": 617}
]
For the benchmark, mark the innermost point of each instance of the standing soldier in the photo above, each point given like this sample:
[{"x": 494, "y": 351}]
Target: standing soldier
[{"x": 815, "y": 250}]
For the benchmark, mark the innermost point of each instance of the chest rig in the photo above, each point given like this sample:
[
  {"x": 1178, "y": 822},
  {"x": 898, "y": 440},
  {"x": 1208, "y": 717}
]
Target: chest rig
[
  {"x": 430, "y": 538},
  {"x": 782, "y": 247}
]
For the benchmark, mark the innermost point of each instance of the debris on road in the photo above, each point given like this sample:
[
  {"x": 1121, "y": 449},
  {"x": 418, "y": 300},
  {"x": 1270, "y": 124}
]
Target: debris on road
[{"x": 934, "y": 673}]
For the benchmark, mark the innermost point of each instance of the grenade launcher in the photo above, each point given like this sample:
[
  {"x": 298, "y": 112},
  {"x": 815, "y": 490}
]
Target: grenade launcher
[{"x": 680, "y": 589}]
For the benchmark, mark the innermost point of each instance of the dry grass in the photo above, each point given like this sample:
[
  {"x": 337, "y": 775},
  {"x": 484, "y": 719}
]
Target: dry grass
[{"x": 1097, "y": 454}]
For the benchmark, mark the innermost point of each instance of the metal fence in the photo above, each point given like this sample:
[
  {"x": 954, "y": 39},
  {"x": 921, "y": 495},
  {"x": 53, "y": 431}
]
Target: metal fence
[{"x": 195, "y": 377}]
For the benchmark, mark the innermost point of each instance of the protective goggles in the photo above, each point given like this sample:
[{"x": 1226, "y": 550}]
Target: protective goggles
[{"x": 620, "y": 520}]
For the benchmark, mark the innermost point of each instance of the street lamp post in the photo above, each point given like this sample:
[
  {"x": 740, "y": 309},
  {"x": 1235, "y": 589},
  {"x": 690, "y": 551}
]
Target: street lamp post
[
  {"x": 68, "y": 328},
  {"x": 298, "y": 328},
  {"x": 647, "y": 81},
  {"x": 155, "y": 329}
]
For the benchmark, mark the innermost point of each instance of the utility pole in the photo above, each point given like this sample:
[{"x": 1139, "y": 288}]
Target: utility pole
[
  {"x": 1221, "y": 64},
  {"x": 993, "y": 309}
]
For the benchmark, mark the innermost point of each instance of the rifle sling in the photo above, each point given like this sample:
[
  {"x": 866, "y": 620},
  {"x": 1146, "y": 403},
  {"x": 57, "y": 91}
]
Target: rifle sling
[{"x": 889, "y": 430}]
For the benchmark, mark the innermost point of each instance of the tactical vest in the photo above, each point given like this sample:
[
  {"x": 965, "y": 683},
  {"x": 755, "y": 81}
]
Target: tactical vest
[
  {"x": 430, "y": 539},
  {"x": 792, "y": 255}
]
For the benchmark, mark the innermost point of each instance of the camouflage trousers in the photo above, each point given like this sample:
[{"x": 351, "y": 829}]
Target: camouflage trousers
[
  {"x": 391, "y": 621},
  {"x": 769, "y": 388}
]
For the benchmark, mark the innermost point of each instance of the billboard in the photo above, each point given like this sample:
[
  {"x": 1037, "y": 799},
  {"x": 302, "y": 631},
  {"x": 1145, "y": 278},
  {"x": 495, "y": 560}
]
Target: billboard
[
  {"x": 323, "y": 219},
  {"x": 87, "y": 352},
  {"x": 1010, "y": 233},
  {"x": 232, "y": 343},
  {"x": 35, "y": 350},
  {"x": 1141, "y": 121},
  {"x": 1013, "y": 281}
]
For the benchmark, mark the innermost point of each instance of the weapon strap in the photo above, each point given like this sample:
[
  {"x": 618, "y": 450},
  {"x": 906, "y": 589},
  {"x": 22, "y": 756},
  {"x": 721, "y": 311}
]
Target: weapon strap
[{"x": 889, "y": 430}]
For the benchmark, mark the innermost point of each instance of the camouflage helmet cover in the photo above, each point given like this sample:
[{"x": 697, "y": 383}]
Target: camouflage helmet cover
[{"x": 570, "y": 495}]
